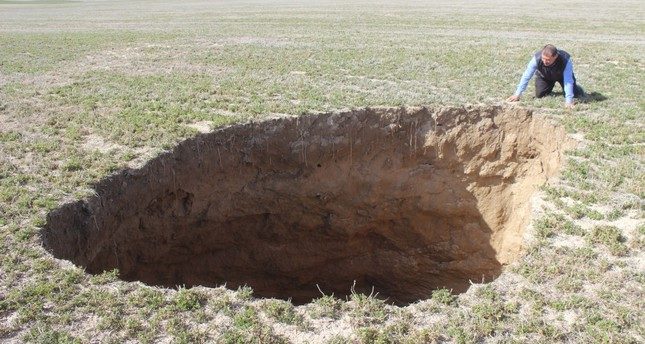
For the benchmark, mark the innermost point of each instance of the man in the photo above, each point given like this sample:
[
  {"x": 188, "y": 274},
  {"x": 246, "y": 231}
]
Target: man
[{"x": 550, "y": 65}]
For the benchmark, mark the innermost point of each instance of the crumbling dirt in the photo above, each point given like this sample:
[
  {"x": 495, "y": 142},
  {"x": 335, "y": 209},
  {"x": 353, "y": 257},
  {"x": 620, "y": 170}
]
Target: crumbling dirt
[{"x": 404, "y": 200}]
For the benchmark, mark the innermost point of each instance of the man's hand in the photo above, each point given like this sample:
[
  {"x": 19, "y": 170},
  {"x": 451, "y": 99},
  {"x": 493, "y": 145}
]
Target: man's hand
[{"x": 513, "y": 98}]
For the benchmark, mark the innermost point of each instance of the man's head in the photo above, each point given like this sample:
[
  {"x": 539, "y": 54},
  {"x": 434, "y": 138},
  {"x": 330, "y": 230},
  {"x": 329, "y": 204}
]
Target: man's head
[{"x": 549, "y": 54}]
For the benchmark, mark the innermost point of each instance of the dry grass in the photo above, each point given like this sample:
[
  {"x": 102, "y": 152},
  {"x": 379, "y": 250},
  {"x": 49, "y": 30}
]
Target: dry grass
[{"x": 87, "y": 88}]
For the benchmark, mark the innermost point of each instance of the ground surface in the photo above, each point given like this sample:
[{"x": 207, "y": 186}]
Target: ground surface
[{"x": 89, "y": 87}]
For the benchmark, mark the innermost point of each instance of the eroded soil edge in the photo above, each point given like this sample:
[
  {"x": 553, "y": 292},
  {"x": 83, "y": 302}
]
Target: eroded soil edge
[{"x": 402, "y": 199}]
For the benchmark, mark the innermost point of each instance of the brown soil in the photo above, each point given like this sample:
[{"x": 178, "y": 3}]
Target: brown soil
[{"x": 404, "y": 200}]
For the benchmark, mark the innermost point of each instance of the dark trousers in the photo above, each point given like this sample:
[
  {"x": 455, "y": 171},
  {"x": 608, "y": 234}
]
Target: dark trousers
[{"x": 544, "y": 87}]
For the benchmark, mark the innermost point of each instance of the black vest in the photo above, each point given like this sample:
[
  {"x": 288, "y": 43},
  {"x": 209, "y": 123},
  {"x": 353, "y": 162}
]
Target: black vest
[{"x": 554, "y": 72}]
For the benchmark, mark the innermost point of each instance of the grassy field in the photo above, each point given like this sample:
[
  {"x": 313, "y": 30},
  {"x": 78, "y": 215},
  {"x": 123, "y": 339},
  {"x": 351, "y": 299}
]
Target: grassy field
[{"x": 89, "y": 87}]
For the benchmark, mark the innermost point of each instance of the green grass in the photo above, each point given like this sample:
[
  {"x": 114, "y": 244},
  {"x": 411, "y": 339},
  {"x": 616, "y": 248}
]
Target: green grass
[
  {"x": 283, "y": 312},
  {"x": 34, "y": 53},
  {"x": 326, "y": 306},
  {"x": 88, "y": 88}
]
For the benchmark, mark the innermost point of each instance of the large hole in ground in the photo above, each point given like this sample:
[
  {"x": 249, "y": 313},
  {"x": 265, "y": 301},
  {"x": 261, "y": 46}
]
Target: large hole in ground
[{"x": 402, "y": 200}]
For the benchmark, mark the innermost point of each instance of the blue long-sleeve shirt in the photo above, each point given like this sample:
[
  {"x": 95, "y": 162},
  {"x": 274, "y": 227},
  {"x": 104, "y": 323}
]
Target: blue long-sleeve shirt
[{"x": 532, "y": 67}]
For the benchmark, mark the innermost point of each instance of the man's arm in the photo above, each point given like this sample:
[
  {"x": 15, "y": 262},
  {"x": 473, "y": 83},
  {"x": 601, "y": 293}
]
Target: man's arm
[
  {"x": 568, "y": 82},
  {"x": 526, "y": 77}
]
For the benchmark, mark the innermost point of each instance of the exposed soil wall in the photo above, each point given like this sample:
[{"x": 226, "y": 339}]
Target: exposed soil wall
[{"x": 402, "y": 199}]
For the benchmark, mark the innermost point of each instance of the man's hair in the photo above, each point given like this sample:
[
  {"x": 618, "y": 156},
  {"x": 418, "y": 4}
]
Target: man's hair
[{"x": 549, "y": 50}]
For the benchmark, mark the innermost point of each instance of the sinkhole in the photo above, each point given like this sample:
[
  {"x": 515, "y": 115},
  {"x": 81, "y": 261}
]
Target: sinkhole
[{"x": 398, "y": 200}]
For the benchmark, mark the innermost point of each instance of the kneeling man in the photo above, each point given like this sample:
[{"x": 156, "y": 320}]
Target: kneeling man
[{"x": 550, "y": 65}]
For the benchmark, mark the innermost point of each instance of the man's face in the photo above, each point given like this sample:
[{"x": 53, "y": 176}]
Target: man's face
[{"x": 548, "y": 59}]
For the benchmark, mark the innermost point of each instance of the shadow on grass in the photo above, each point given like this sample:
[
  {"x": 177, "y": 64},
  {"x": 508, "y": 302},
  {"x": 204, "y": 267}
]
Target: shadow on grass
[{"x": 592, "y": 97}]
